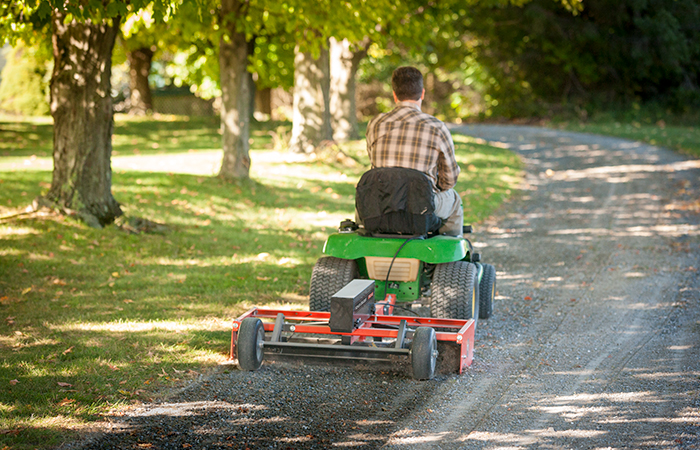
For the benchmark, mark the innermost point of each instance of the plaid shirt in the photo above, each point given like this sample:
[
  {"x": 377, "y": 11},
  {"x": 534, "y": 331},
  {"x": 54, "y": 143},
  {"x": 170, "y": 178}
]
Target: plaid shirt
[{"x": 407, "y": 137}]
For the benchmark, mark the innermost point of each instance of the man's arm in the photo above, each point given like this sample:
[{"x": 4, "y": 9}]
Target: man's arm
[
  {"x": 370, "y": 138},
  {"x": 448, "y": 169}
]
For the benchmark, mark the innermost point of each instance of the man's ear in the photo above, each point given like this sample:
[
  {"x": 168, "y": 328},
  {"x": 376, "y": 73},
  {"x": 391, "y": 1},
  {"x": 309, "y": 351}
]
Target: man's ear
[{"x": 422, "y": 96}]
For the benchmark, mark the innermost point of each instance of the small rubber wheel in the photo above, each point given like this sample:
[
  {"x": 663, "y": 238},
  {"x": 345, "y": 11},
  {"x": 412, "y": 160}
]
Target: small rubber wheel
[
  {"x": 330, "y": 274},
  {"x": 487, "y": 291},
  {"x": 251, "y": 337},
  {"x": 424, "y": 353}
]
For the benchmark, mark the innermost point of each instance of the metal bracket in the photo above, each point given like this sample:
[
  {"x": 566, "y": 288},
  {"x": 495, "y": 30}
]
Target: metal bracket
[
  {"x": 401, "y": 334},
  {"x": 277, "y": 331}
]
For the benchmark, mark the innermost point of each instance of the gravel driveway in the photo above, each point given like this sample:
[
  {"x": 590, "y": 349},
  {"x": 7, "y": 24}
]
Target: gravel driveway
[{"x": 595, "y": 340}]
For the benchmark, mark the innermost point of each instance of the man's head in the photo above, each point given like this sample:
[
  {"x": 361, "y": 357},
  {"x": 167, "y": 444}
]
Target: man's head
[{"x": 407, "y": 83}]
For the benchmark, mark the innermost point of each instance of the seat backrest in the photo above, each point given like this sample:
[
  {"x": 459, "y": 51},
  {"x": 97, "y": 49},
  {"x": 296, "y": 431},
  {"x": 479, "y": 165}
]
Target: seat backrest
[{"x": 396, "y": 200}]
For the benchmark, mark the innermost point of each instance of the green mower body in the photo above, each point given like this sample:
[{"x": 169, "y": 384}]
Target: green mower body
[{"x": 442, "y": 271}]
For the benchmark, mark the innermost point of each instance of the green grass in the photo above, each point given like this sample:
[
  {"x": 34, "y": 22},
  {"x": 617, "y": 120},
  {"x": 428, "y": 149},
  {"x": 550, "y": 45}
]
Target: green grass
[
  {"x": 682, "y": 138},
  {"x": 92, "y": 320}
]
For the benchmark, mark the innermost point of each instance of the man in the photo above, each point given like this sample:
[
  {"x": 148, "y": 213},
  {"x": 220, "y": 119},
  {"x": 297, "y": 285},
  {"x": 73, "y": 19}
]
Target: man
[{"x": 407, "y": 137}]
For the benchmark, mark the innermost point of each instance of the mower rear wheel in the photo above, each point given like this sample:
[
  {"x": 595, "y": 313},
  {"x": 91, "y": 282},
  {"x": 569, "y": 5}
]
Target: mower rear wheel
[
  {"x": 251, "y": 337},
  {"x": 487, "y": 291},
  {"x": 330, "y": 275},
  {"x": 424, "y": 353},
  {"x": 454, "y": 291}
]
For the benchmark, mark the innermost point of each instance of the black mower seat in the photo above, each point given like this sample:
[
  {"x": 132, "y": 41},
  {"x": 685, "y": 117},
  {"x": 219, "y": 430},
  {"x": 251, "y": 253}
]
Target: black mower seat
[{"x": 396, "y": 200}]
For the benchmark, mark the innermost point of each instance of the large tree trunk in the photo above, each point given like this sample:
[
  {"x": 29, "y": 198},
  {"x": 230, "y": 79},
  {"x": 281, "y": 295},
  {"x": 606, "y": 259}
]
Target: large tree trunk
[
  {"x": 343, "y": 107},
  {"x": 311, "y": 116},
  {"x": 236, "y": 96},
  {"x": 139, "y": 68},
  {"x": 81, "y": 106}
]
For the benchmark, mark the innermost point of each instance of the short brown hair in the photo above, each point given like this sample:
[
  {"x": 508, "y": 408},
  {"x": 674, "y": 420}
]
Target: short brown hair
[{"x": 407, "y": 83}]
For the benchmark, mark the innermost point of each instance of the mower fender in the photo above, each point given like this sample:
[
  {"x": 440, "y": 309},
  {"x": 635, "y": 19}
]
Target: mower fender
[{"x": 436, "y": 250}]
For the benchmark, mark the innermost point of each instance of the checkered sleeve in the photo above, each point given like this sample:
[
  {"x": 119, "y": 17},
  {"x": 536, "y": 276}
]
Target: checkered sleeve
[{"x": 448, "y": 169}]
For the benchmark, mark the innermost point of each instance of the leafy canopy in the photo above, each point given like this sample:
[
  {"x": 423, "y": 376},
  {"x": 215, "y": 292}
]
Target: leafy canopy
[{"x": 28, "y": 20}]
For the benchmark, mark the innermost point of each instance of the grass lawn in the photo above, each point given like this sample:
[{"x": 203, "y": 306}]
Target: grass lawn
[
  {"x": 93, "y": 320},
  {"x": 682, "y": 138}
]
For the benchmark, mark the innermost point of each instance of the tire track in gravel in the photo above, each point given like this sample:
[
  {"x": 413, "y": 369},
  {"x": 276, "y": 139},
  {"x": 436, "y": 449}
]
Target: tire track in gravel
[{"x": 584, "y": 369}]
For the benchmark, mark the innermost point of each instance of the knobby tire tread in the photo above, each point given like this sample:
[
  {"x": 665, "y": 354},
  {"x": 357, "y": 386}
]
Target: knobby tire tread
[
  {"x": 329, "y": 275},
  {"x": 453, "y": 287}
]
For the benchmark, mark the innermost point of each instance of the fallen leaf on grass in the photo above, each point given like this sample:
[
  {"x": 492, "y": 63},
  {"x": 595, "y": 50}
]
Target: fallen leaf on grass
[
  {"x": 66, "y": 401},
  {"x": 13, "y": 382},
  {"x": 115, "y": 274},
  {"x": 128, "y": 300},
  {"x": 68, "y": 350},
  {"x": 62, "y": 384},
  {"x": 528, "y": 298},
  {"x": 26, "y": 291}
]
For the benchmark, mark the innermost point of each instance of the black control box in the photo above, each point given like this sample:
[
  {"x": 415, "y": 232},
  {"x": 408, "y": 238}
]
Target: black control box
[{"x": 352, "y": 305}]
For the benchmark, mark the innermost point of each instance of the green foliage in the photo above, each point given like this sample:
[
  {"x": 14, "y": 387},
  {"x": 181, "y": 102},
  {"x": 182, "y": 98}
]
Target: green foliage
[
  {"x": 29, "y": 20},
  {"x": 24, "y": 88},
  {"x": 613, "y": 51}
]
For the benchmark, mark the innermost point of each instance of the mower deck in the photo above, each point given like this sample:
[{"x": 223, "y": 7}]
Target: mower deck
[{"x": 377, "y": 337}]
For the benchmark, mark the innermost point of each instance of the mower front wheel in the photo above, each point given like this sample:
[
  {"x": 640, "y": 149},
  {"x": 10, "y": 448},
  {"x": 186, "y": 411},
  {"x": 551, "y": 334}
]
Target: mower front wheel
[
  {"x": 251, "y": 337},
  {"x": 424, "y": 353},
  {"x": 330, "y": 274}
]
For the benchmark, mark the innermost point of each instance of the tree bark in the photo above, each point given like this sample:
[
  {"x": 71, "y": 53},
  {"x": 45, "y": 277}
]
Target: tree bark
[
  {"x": 263, "y": 100},
  {"x": 81, "y": 106},
  {"x": 139, "y": 69},
  {"x": 343, "y": 107},
  {"x": 236, "y": 95},
  {"x": 311, "y": 121}
]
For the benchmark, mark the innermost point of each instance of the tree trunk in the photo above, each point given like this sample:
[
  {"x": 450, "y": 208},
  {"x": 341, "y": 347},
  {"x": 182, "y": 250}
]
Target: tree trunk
[
  {"x": 263, "y": 101},
  {"x": 343, "y": 107},
  {"x": 235, "y": 95},
  {"x": 139, "y": 68},
  {"x": 311, "y": 116},
  {"x": 81, "y": 106}
]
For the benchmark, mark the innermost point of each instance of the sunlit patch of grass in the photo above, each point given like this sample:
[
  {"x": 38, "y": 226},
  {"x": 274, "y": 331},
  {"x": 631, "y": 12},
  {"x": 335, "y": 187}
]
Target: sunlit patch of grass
[
  {"x": 92, "y": 320},
  {"x": 489, "y": 176}
]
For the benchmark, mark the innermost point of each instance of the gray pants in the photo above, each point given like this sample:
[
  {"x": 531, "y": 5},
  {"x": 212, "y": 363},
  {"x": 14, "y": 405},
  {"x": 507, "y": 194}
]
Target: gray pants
[{"x": 448, "y": 206}]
